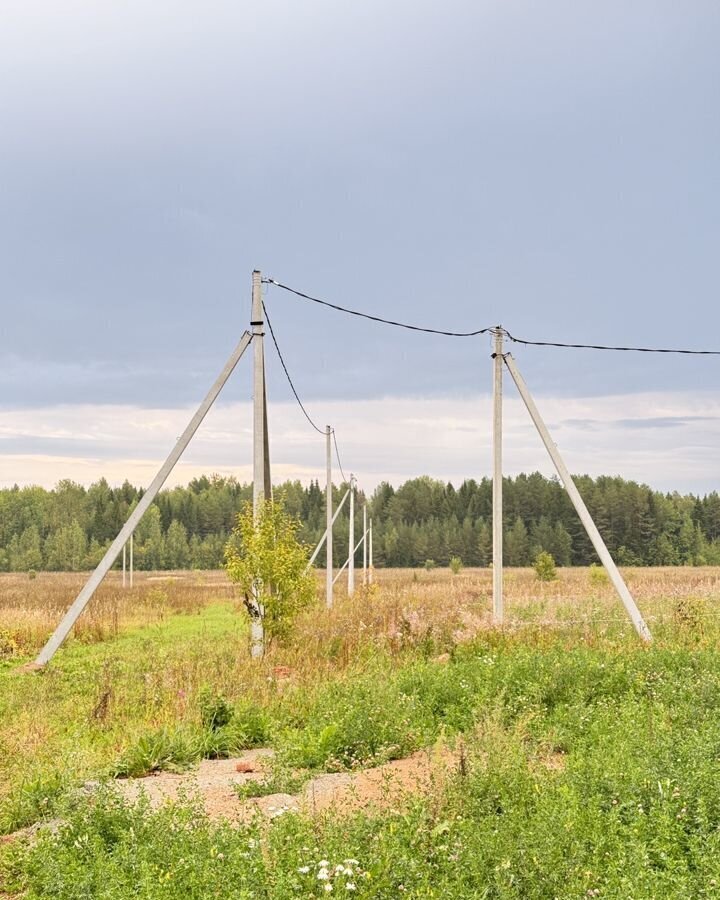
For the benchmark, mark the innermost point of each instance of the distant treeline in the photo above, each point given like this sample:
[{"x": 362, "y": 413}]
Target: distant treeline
[{"x": 70, "y": 527}]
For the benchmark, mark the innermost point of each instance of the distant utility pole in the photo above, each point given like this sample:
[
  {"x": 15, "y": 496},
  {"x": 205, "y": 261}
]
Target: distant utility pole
[
  {"x": 351, "y": 541},
  {"x": 365, "y": 545},
  {"x": 498, "y": 607},
  {"x": 329, "y": 519},
  {"x": 124, "y": 564},
  {"x": 370, "y": 553},
  {"x": 261, "y": 463}
]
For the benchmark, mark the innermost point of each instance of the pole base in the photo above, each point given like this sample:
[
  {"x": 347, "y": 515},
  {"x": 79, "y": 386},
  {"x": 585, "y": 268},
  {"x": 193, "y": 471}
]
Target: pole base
[{"x": 30, "y": 667}]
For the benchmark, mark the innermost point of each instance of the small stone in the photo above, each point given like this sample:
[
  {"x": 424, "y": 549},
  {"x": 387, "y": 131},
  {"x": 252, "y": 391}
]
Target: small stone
[{"x": 245, "y": 766}]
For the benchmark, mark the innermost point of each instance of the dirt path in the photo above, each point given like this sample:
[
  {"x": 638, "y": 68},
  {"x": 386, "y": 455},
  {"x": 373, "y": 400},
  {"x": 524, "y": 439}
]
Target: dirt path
[{"x": 215, "y": 781}]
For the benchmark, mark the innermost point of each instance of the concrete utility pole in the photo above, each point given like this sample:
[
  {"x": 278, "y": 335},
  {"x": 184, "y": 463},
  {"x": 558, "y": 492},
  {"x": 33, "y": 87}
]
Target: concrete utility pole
[
  {"x": 132, "y": 558},
  {"x": 577, "y": 501},
  {"x": 498, "y": 608},
  {"x": 351, "y": 540},
  {"x": 329, "y": 520},
  {"x": 267, "y": 482},
  {"x": 365, "y": 543},
  {"x": 370, "y": 552},
  {"x": 261, "y": 465},
  {"x": 124, "y": 555},
  {"x": 83, "y": 598},
  {"x": 257, "y": 324}
]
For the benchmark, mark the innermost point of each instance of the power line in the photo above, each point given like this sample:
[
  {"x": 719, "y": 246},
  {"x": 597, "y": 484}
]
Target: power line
[
  {"x": 287, "y": 374},
  {"x": 337, "y": 456},
  {"x": 492, "y": 329},
  {"x": 362, "y": 315},
  {"x": 297, "y": 397},
  {"x": 606, "y": 347}
]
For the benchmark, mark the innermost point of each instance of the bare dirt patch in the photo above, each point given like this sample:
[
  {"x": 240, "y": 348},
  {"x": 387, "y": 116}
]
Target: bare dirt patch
[{"x": 214, "y": 783}]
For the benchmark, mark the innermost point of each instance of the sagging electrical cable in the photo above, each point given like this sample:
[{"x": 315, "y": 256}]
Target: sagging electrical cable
[
  {"x": 297, "y": 396},
  {"x": 491, "y": 329}
]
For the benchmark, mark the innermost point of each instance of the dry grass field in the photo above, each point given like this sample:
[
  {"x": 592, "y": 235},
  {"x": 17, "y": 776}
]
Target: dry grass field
[{"x": 436, "y": 600}]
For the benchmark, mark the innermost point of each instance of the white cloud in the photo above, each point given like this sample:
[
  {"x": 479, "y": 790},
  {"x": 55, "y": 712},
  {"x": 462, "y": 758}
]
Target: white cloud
[{"x": 667, "y": 440}]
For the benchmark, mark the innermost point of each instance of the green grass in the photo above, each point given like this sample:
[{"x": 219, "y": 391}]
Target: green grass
[
  {"x": 633, "y": 812},
  {"x": 77, "y": 719},
  {"x": 593, "y": 769}
]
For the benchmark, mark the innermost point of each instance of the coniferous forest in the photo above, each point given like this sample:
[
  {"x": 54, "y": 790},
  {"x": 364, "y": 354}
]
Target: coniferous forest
[{"x": 69, "y": 527}]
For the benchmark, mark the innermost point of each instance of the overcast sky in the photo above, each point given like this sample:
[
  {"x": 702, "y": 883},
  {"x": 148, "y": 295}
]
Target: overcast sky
[{"x": 552, "y": 167}]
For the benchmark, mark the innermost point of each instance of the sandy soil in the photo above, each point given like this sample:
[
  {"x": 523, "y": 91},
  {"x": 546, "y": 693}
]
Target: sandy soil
[{"x": 214, "y": 781}]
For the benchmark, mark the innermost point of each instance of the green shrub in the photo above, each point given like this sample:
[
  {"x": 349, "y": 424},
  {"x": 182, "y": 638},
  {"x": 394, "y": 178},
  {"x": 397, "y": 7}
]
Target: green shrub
[
  {"x": 167, "y": 748},
  {"x": 456, "y": 565},
  {"x": 429, "y": 564},
  {"x": 8, "y": 644},
  {"x": 254, "y": 723},
  {"x": 352, "y": 723},
  {"x": 266, "y": 559},
  {"x": 33, "y": 801},
  {"x": 225, "y": 732},
  {"x": 215, "y": 711},
  {"x": 544, "y": 566},
  {"x": 278, "y": 781}
]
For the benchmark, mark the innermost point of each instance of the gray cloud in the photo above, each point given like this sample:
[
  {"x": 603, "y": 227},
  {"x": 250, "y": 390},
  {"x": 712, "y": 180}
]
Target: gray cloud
[
  {"x": 391, "y": 438},
  {"x": 638, "y": 424},
  {"x": 459, "y": 164},
  {"x": 663, "y": 422}
]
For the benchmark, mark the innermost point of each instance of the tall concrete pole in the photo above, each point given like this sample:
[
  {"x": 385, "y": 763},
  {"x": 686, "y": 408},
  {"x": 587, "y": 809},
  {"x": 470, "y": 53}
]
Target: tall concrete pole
[
  {"x": 261, "y": 468},
  {"x": 257, "y": 323},
  {"x": 124, "y": 565},
  {"x": 329, "y": 517},
  {"x": 577, "y": 501},
  {"x": 132, "y": 559},
  {"x": 351, "y": 541},
  {"x": 498, "y": 610}
]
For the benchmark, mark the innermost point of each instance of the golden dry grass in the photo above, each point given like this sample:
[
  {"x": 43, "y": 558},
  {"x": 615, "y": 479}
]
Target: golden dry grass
[
  {"x": 31, "y": 607},
  {"x": 401, "y": 605}
]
